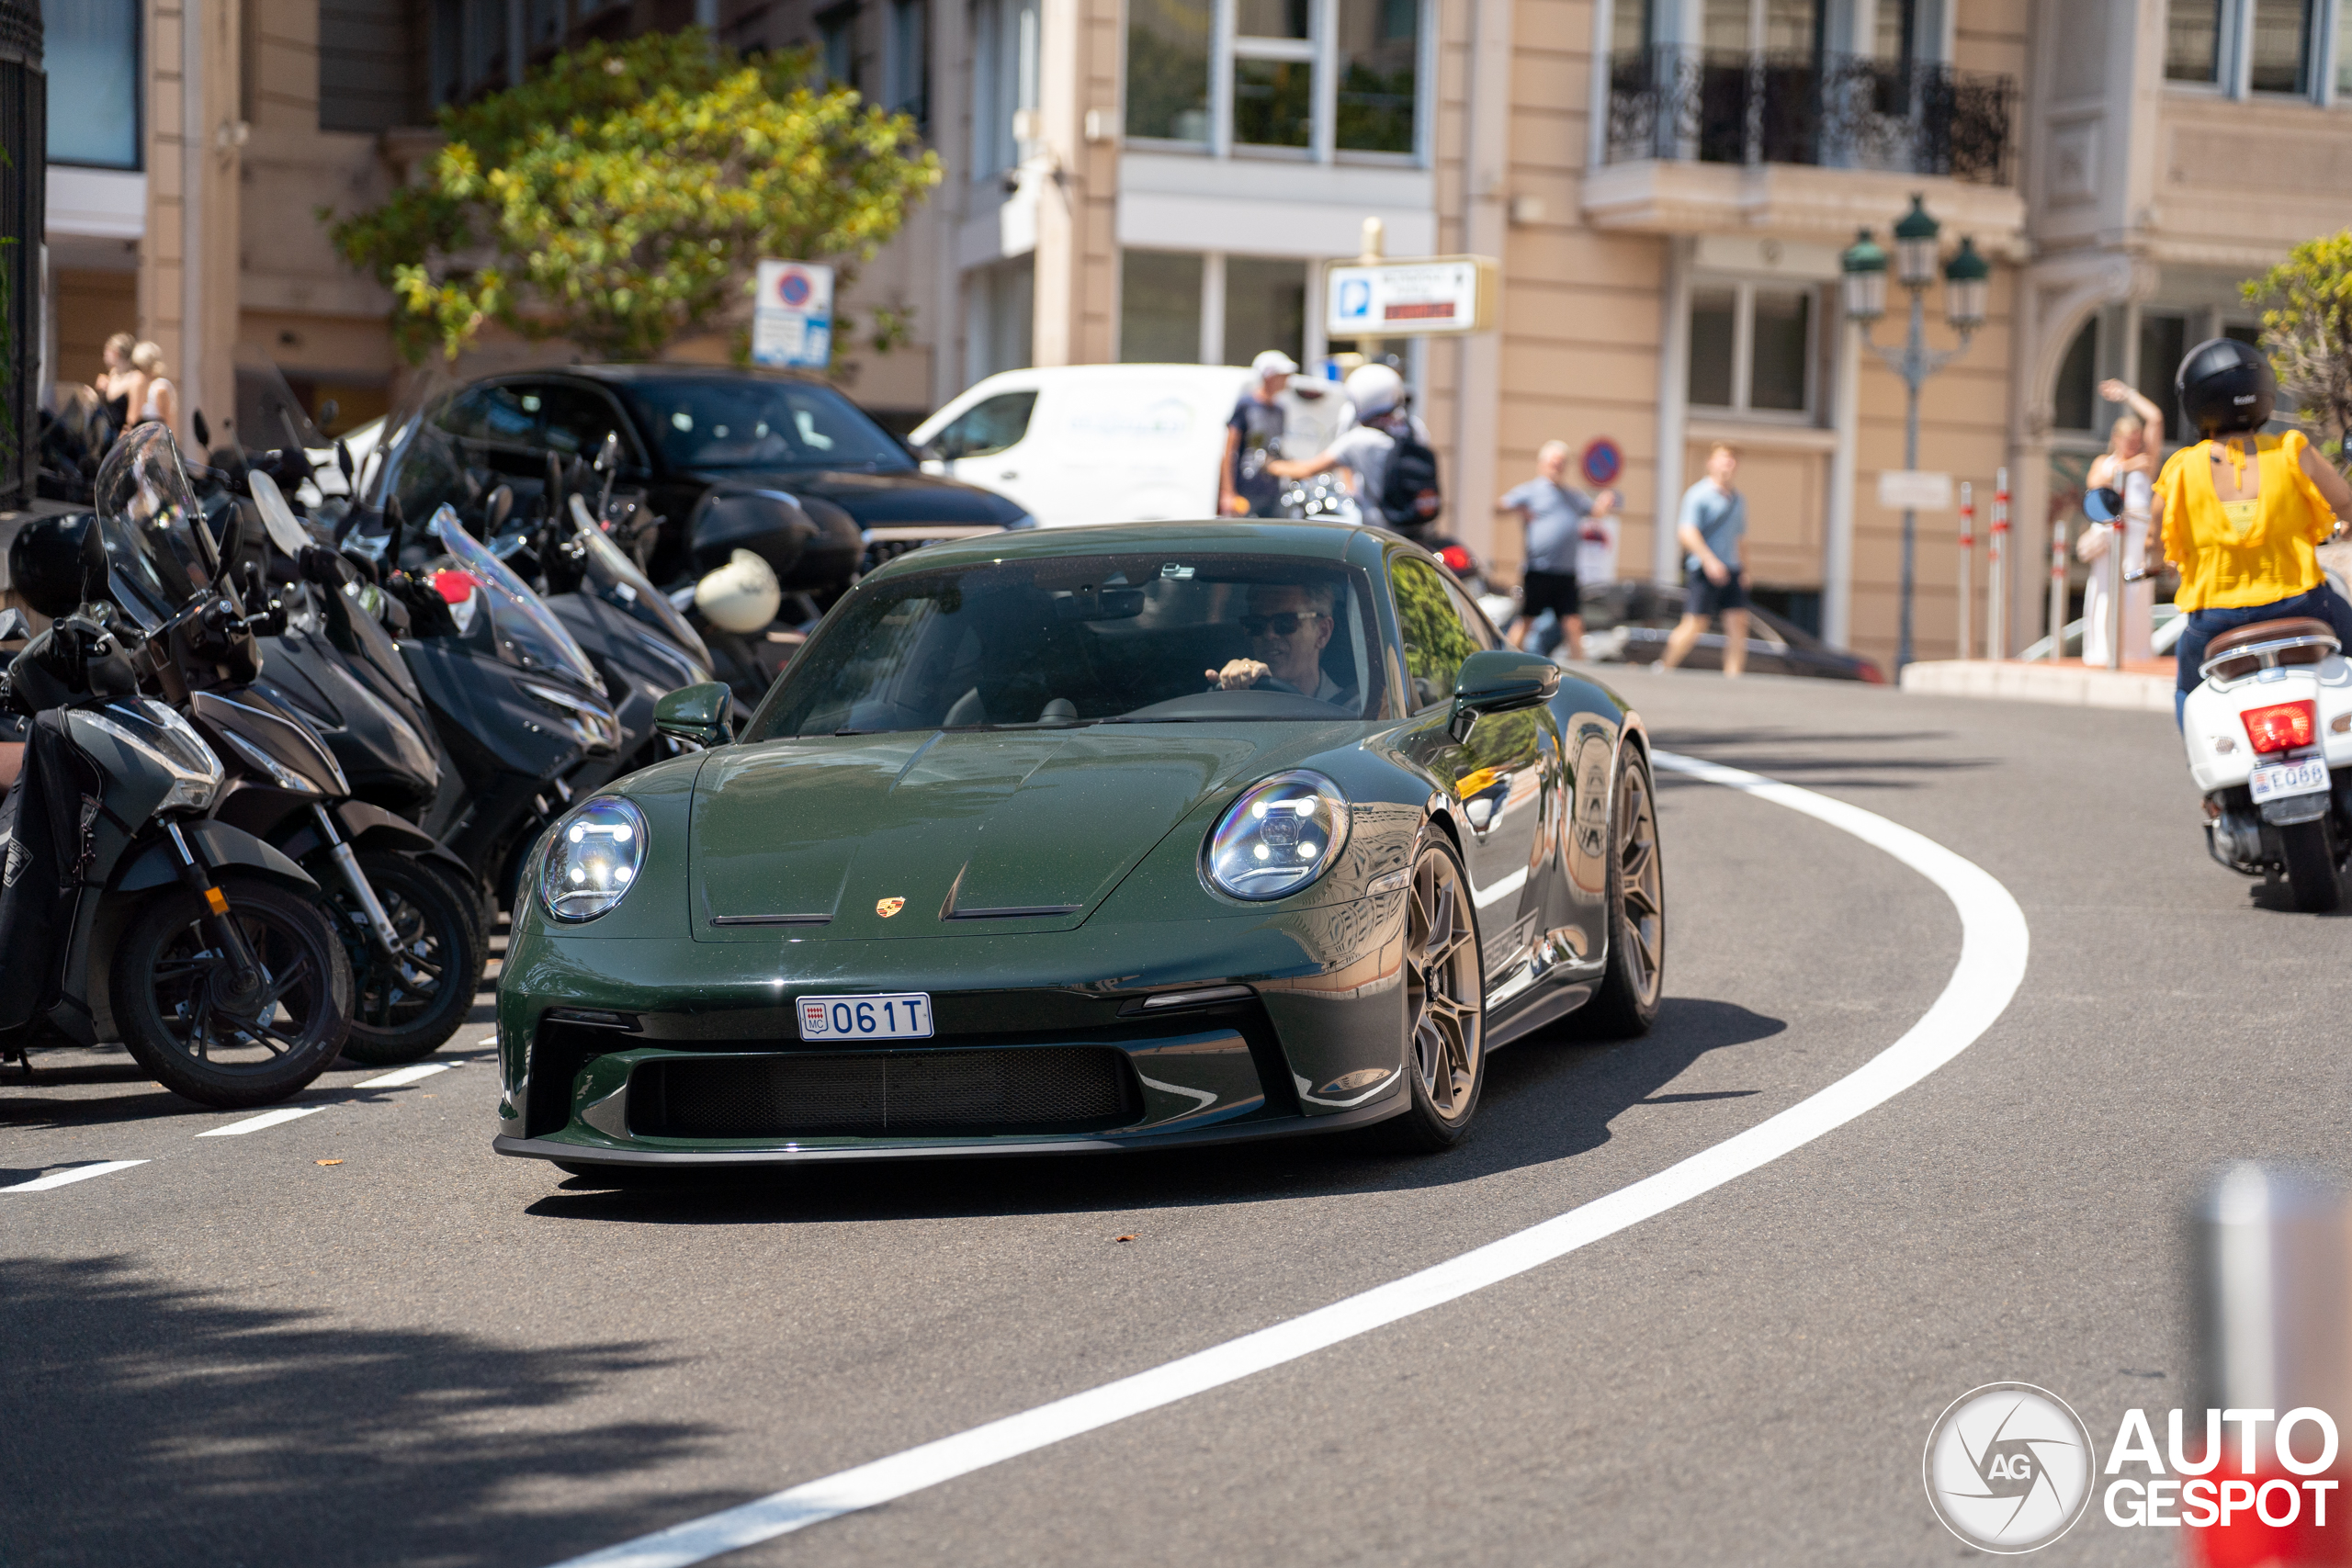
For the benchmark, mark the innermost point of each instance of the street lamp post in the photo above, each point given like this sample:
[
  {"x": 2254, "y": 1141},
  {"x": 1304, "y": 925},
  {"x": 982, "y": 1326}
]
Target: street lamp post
[{"x": 1966, "y": 281}]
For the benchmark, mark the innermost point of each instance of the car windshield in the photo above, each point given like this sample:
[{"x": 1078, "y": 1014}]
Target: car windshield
[
  {"x": 1168, "y": 638},
  {"x": 750, "y": 423}
]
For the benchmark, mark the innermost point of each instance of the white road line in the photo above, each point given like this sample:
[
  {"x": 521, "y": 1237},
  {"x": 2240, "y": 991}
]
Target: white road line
[
  {"x": 1993, "y": 945},
  {"x": 68, "y": 1177},
  {"x": 406, "y": 1074},
  {"x": 266, "y": 1118}
]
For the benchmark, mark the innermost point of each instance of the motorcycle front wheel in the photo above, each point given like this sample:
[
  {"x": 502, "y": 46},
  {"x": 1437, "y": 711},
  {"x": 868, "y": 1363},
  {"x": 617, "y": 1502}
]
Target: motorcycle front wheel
[
  {"x": 175, "y": 1010},
  {"x": 2311, "y": 866},
  {"x": 401, "y": 1017}
]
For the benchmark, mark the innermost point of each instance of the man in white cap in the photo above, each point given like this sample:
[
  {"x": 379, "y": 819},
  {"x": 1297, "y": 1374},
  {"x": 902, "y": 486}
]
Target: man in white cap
[{"x": 1253, "y": 437}]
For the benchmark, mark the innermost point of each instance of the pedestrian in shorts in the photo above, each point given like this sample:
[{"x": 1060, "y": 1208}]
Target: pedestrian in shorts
[
  {"x": 1557, "y": 517},
  {"x": 1713, "y": 527}
]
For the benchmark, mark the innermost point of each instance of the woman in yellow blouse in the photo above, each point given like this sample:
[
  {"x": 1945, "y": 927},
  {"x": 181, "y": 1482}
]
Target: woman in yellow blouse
[{"x": 2241, "y": 513}]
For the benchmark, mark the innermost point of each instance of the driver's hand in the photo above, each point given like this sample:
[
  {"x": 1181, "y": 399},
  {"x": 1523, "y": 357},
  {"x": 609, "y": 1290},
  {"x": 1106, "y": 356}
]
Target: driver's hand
[
  {"x": 1238, "y": 674},
  {"x": 1717, "y": 572}
]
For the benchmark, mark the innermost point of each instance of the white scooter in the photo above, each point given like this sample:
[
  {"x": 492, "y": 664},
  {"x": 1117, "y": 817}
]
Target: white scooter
[{"x": 2268, "y": 732}]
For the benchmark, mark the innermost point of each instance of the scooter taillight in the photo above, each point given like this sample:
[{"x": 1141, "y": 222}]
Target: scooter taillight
[{"x": 2282, "y": 726}]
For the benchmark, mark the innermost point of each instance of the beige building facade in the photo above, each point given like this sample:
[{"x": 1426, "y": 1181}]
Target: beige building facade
[{"x": 1667, "y": 183}]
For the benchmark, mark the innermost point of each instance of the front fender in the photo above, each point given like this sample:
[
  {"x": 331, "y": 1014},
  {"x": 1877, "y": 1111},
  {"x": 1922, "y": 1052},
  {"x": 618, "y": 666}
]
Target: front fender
[{"x": 217, "y": 846}]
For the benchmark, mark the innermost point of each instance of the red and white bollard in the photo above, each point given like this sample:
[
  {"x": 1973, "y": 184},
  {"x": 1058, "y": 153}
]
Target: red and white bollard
[
  {"x": 1996, "y": 590},
  {"x": 1967, "y": 558}
]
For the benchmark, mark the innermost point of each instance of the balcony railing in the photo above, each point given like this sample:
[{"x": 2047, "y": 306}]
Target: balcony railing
[{"x": 1838, "y": 111}]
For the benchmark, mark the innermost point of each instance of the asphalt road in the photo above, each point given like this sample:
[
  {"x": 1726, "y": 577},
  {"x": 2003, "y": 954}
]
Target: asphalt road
[{"x": 237, "y": 1353}]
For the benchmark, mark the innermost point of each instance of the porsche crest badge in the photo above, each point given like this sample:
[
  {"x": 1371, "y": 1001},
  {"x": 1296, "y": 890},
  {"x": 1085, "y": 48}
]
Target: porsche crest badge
[{"x": 886, "y": 908}]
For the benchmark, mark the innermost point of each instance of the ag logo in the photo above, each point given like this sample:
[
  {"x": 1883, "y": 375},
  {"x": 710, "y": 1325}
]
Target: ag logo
[
  {"x": 886, "y": 908},
  {"x": 2008, "y": 1468}
]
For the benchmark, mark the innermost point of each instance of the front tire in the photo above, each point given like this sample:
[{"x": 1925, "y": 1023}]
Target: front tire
[
  {"x": 1445, "y": 1005},
  {"x": 2311, "y": 866},
  {"x": 174, "y": 1013},
  {"x": 393, "y": 1018},
  {"x": 1627, "y": 1003}
]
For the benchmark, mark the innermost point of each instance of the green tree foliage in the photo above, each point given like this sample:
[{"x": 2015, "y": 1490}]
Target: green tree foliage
[
  {"x": 2306, "y": 304},
  {"x": 621, "y": 196}
]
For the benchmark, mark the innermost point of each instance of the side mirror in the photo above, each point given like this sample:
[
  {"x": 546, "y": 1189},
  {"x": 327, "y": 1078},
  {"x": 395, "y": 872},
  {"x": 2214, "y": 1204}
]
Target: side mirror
[
  {"x": 1499, "y": 680},
  {"x": 609, "y": 455},
  {"x": 14, "y": 628},
  {"x": 697, "y": 716},
  {"x": 2104, "y": 504}
]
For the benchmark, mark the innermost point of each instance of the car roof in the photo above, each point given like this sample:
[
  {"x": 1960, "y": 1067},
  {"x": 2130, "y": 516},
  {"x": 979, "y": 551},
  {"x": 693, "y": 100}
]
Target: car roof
[
  {"x": 1330, "y": 541},
  {"x": 677, "y": 372}
]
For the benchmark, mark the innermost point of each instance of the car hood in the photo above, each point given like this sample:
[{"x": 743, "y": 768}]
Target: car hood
[
  {"x": 879, "y": 499},
  {"x": 955, "y": 825}
]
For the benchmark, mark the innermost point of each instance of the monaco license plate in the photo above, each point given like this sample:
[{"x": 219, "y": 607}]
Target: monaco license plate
[
  {"x": 904, "y": 1015},
  {"x": 2278, "y": 780}
]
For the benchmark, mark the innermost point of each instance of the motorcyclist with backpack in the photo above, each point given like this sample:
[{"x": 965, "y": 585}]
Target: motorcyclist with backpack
[
  {"x": 2241, "y": 513},
  {"x": 1385, "y": 453}
]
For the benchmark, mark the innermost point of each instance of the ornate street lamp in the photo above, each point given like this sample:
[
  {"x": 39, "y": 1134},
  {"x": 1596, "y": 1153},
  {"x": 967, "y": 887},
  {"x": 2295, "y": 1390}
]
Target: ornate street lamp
[{"x": 1967, "y": 279}]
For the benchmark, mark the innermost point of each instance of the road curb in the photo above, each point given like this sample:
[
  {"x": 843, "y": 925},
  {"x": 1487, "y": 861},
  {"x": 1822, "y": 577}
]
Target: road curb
[{"x": 2009, "y": 680}]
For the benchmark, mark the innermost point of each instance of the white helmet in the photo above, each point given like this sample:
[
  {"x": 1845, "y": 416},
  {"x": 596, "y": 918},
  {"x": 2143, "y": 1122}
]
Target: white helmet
[
  {"x": 1374, "y": 390},
  {"x": 740, "y": 596}
]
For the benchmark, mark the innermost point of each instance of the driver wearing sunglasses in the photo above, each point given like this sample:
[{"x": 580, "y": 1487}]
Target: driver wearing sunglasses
[{"x": 1289, "y": 623}]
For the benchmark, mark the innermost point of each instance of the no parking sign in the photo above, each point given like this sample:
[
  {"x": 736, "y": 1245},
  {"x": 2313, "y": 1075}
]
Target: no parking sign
[
  {"x": 1602, "y": 461},
  {"x": 792, "y": 319}
]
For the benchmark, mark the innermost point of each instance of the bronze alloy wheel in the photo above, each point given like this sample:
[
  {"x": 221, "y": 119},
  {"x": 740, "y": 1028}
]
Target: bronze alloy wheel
[
  {"x": 1627, "y": 1002},
  {"x": 1445, "y": 1002}
]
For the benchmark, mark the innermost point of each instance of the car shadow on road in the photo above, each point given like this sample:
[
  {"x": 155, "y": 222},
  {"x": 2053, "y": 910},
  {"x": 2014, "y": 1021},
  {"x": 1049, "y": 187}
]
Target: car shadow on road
[
  {"x": 1546, "y": 1099},
  {"x": 153, "y": 1424}
]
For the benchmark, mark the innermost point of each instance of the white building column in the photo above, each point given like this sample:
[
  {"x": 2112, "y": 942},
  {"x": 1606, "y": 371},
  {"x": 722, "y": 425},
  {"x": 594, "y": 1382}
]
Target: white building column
[
  {"x": 1673, "y": 409},
  {"x": 1478, "y": 366},
  {"x": 1837, "y": 548}
]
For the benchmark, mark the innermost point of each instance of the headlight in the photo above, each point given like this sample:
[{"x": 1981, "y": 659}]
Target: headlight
[
  {"x": 593, "y": 726},
  {"x": 163, "y": 738},
  {"x": 1280, "y": 836},
  {"x": 277, "y": 773},
  {"x": 592, "y": 859}
]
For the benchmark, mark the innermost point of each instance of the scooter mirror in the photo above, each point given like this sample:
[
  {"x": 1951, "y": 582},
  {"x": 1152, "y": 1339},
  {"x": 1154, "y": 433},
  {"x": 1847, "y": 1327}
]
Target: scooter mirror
[
  {"x": 327, "y": 412},
  {"x": 2104, "y": 504},
  {"x": 203, "y": 430},
  {"x": 502, "y": 502},
  {"x": 609, "y": 455},
  {"x": 285, "y": 529},
  {"x": 14, "y": 628},
  {"x": 343, "y": 459}
]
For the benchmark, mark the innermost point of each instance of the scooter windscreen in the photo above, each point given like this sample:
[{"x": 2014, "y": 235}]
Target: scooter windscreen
[
  {"x": 152, "y": 523},
  {"x": 619, "y": 580},
  {"x": 525, "y": 628}
]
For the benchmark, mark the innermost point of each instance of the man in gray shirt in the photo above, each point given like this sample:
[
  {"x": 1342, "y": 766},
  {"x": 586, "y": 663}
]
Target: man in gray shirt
[
  {"x": 1712, "y": 527},
  {"x": 1554, "y": 515}
]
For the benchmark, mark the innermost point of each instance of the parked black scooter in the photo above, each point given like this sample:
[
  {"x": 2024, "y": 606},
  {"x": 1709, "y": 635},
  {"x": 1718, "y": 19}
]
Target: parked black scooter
[{"x": 208, "y": 952}]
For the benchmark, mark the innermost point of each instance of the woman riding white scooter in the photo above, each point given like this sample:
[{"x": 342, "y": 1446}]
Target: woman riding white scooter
[{"x": 2240, "y": 513}]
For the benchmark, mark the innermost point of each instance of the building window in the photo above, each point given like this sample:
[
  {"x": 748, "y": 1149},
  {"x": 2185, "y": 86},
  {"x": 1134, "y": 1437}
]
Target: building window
[
  {"x": 2075, "y": 405},
  {"x": 1328, "y": 78},
  {"x": 1159, "y": 308},
  {"x": 910, "y": 92},
  {"x": 92, "y": 58},
  {"x": 837, "y": 44},
  {"x": 366, "y": 81},
  {"x": 2163, "y": 339},
  {"x": 1265, "y": 307},
  {"x": 1167, "y": 70},
  {"x": 2280, "y": 50},
  {"x": 2193, "y": 40},
  {"x": 998, "y": 318},
  {"x": 1004, "y": 82},
  {"x": 2341, "y": 87},
  {"x": 1752, "y": 348},
  {"x": 1379, "y": 58}
]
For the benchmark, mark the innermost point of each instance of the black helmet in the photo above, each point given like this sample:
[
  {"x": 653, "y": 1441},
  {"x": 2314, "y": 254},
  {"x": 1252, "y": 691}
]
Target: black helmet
[
  {"x": 59, "y": 563},
  {"x": 2225, "y": 386}
]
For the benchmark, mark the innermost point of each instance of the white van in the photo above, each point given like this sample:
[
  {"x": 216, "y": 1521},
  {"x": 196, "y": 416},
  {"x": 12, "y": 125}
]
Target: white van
[{"x": 1097, "y": 443}]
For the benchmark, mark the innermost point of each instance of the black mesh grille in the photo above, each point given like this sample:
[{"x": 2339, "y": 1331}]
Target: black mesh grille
[{"x": 1042, "y": 1089}]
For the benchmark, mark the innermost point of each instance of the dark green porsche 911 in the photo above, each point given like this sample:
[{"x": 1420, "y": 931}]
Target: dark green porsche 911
[{"x": 1090, "y": 838}]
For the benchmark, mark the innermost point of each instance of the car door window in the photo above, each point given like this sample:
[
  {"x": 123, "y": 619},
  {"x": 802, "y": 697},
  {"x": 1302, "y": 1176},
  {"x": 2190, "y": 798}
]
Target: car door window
[
  {"x": 1474, "y": 625},
  {"x": 1436, "y": 638},
  {"x": 987, "y": 428}
]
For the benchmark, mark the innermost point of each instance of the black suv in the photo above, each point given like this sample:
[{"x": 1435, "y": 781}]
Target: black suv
[{"x": 688, "y": 430}]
